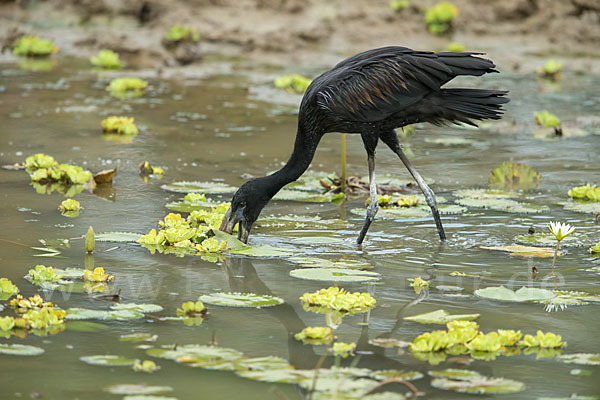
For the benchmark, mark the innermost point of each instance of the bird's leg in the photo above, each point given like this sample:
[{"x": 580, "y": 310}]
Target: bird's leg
[
  {"x": 374, "y": 203},
  {"x": 392, "y": 141}
]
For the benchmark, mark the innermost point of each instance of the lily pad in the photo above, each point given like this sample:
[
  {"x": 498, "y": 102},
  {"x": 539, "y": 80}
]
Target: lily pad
[
  {"x": 262, "y": 363},
  {"x": 85, "y": 326},
  {"x": 273, "y": 375},
  {"x": 440, "y": 317},
  {"x": 504, "y": 205},
  {"x": 484, "y": 194},
  {"x": 317, "y": 240},
  {"x": 138, "y": 308},
  {"x": 20, "y": 350},
  {"x": 138, "y": 337},
  {"x": 524, "y": 251},
  {"x": 108, "y": 360},
  {"x": 586, "y": 207},
  {"x": 451, "y": 141},
  {"x": 455, "y": 373},
  {"x": 396, "y": 374},
  {"x": 241, "y": 300},
  {"x": 335, "y": 274},
  {"x": 182, "y": 206},
  {"x": 235, "y": 246},
  {"x": 121, "y": 237},
  {"x": 581, "y": 358},
  {"x": 298, "y": 195},
  {"x": 479, "y": 385},
  {"x": 199, "y": 187},
  {"x": 548, "y": 239},
  {"x": 118, "y": 315},
  {"x": 148, "y": 397},
  {"x": 137, "y": 389},
  {"x": 420, "y": 211},
  {"x": 521, "y": 295},
  {"x": 194, "y": 353},
  {"x": 315, "y": 262}
]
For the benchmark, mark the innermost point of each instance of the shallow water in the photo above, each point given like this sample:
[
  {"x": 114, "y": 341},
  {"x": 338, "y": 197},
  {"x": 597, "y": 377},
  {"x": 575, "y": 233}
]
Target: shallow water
[{"x": 240, "y": 131}]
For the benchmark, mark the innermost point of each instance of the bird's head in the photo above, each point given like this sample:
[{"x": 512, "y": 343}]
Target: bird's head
[{"x": 246, "y": 205}]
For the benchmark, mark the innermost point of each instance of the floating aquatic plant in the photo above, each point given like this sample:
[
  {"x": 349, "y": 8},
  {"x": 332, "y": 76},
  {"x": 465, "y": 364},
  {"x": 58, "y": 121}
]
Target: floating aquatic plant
[
  {"x": 440, "y": 317},
  {"x": 212, "y": 245},
  {"x": 521, "y": 295},
  {"x": 145, "y": 366},
  {"x": 292, "y": 83},
  {"x": 595, "y": 249},
  {"x": 315, "y": 335},
  {"x": 33, "y": 46},
  {"x": 44, "y": 169},
  {"x": 546, "y": 118},
  {"x": 398, "y": 5},
  {"x": 69, "y": 205},
  {"x": 419, "y": 284},
  {"x": 45, "y": 318},
  {"x": 344, "y": 350},
  {"x": 514, "y": 176},
  {"x": 22, "y": 305},
  {"x": 241, "y": 300},
  {"x": 337, "y": 299},
  {"x": 97, "y": 275},
  {"x": 126, "y": 87},
  {"x": 547, "y": 340},
  {"x": 119, "y": 124},
  {"x": 455, "y": 46},
  {"x": 551, "y": 70},
  {"x": 587, "y": 192},
  {"x": 106, "y": 59},
  {"x": 191, "y": 309},
  {"x": 178, "y": 33},
  {"x": 146, "y": 169},
  {"x": 439, "y": 18},
  {"x": 40, "y": 274},
  {"x": 7, "y": 289}
]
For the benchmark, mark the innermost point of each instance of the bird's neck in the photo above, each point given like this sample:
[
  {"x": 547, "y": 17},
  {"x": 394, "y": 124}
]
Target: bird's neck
[{"x": 304, "y": 151}]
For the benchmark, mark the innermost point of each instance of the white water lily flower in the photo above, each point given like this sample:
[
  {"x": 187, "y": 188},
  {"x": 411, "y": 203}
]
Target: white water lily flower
[{"x": 560, "y": 230}]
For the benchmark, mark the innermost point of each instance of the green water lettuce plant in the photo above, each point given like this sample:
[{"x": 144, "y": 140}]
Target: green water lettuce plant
[
  {"x": 545, "y": 118},
  {"x": 315, "y": 335},
  {"x": 547, "y": 340},
  {"x": 7, "y": 289},
  {"x": 337, "y": 299},
  {"x": 146, "y": 169},
  {"x": 514, "y": 176},
  {"x": 33, "y": 46},
  {"x": 120, "y": 125},
  {"x": 587, "y": 192},
  {"x": 440, "y": 17},
  {"x": 550, "y": 70},
  {"x": 292, "y": 83},
  {"x": 343, "y": 350},
  {"x": 455, "y": 46},
  {"x": 106, "y": 59},
  {"x": 398, "y": 5},
  {"x": 191, "y": 309},
  {"x": 44, "y": 169},
  {"x": 595, "y": 249},
  {"x": 97, "y": 275},
  {"x": 126, "y": 87},
  {"x": 145, "y": 366},
  {"x": 21, "y": 304},
  {"x": 179, "y": 33},
  {"x": 69, "y": 205},
  {"x": 41, "y": 274},
  {"x": 419, "y": 284}
]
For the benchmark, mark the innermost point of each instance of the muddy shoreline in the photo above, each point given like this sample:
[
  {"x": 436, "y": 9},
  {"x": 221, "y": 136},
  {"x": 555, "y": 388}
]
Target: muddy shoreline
[{"x": 518, "y": 34}]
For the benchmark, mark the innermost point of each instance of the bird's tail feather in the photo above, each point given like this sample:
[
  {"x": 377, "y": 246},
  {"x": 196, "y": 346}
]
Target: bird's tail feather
[{"x": 467, "y": 105}]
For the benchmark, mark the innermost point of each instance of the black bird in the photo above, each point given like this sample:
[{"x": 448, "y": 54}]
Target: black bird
[{"x": 371, "y": 94}]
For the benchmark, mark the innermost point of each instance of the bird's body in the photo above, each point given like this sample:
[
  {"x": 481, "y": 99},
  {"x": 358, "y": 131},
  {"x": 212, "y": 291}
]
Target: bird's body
[{"x": 371, "y": 94}]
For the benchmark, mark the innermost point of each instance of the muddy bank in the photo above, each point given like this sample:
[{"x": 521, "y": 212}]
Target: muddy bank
[{"x": 518, "y": 34}]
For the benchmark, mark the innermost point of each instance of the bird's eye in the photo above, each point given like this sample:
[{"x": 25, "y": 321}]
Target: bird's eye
[{"x": 243, "y": 204}]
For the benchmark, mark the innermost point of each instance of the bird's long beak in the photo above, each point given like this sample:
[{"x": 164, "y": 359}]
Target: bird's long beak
[{"x": 230, "y": 220}]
